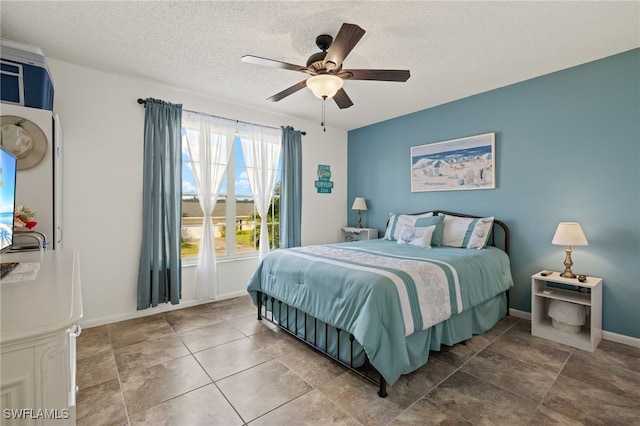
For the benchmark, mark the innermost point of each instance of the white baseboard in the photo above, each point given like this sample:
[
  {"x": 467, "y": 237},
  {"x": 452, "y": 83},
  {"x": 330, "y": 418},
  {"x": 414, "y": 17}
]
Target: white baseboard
[
  {"x": 621, "y": 338},
  {"x": 165, "y": 307},
  {"x": 606, "y": 335},
  {"x": 520, "y": 314}
]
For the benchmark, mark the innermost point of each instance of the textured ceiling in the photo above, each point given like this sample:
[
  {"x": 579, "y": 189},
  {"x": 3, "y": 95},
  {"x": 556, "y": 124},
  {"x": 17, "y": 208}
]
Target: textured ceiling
[{"x": 453, "y": 49}]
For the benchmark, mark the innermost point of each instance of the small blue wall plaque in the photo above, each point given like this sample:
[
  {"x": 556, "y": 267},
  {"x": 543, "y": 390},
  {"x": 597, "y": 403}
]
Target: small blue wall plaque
[{"x": 324, "y": 184}]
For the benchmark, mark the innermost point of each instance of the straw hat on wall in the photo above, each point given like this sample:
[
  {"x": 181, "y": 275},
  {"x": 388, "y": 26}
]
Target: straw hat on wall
[{"x": 24, "y": 139}]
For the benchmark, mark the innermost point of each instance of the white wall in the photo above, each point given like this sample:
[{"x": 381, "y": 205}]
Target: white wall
[{"x": 102, "y": 181}]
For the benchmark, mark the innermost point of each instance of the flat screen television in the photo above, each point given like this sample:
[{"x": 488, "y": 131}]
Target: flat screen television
[{"x": 8, "y": 168}]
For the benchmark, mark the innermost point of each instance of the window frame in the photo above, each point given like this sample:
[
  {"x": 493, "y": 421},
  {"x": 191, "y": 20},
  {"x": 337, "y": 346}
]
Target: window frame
[{"x": 231, "y": 219}]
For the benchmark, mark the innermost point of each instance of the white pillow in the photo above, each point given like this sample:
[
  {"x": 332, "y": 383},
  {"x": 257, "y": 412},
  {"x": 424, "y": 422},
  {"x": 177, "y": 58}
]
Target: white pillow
[
  {"x": 396, "y": 222},
  {"x": 416, "y": 236},
  {"x": 466, "y": 232}
]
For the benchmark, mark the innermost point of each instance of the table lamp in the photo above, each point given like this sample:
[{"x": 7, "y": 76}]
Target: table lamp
[
  {"x": 359, "y": 204},
  {"x": 569, "y": 234}
]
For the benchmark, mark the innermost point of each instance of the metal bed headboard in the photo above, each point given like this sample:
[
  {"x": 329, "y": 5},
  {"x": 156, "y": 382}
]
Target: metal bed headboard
[{"x": 504, "y": 229}]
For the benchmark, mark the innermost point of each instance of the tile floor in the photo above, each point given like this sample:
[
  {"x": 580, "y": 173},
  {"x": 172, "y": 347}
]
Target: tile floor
[{"x": 215, "y": 364}]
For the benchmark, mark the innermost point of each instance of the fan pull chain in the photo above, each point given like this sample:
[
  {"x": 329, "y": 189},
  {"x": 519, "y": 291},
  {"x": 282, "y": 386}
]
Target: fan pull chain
[{"x": 324, "y": 128}]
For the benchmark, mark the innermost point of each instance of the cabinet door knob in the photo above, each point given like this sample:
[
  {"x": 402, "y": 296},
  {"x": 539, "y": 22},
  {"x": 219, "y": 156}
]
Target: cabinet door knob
[{"x": 76, "y": 330}]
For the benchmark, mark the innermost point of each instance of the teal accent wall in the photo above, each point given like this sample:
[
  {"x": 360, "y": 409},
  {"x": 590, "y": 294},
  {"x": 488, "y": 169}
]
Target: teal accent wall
[{"x": 567, "y": 149}]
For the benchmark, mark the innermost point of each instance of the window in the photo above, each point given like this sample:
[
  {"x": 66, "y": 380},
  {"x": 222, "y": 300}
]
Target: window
[{"x": 235, "y": 210}]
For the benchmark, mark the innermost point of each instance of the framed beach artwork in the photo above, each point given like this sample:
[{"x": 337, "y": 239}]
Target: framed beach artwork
[{"x": 458, "y": 164}]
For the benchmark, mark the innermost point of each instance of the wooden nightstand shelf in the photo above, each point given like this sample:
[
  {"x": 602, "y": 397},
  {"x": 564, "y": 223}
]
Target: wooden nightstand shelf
[
  {"x": 591, "y": 296},
  {"x": 349, "y": 233}
]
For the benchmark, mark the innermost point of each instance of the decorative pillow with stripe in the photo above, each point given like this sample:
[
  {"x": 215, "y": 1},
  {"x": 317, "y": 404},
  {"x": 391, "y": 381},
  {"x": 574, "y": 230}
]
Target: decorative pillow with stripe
[
  {"x": 466, "y": 232},
  {"x": 416, "y": 236},
  {"x": 438, "y": 221},
  {"x": 396, "y": 221}
]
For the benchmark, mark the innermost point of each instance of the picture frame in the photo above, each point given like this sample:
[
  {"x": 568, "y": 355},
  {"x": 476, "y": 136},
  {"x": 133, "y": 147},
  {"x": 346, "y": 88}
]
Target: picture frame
[{"x": 459, "y": 164}]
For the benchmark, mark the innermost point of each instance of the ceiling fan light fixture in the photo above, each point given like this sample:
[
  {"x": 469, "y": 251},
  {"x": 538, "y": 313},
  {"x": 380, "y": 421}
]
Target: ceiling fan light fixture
[{"x": 325, "y": 86}]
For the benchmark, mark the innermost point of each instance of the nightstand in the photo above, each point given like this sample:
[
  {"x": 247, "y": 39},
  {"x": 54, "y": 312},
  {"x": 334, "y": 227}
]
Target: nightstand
[
  {"x": 588, "y": 293},
  {"x": 358, "y": 234}
]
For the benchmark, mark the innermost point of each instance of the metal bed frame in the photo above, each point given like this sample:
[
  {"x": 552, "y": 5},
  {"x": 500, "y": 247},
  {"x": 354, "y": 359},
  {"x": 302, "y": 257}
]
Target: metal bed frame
[{"x": 366, "y": 371}]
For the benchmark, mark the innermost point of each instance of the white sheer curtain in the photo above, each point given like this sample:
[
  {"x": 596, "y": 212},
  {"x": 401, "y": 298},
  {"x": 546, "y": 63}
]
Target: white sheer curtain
[
  {"x": 209, "y": 142},
  {"x": 261, "y": 148}
]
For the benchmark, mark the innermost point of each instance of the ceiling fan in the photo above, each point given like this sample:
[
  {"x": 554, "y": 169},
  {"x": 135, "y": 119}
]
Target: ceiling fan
[{"x": 325, "y": 68}]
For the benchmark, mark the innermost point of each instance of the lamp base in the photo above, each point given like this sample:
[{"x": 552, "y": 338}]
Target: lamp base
[{"x": 568, "y": 263}]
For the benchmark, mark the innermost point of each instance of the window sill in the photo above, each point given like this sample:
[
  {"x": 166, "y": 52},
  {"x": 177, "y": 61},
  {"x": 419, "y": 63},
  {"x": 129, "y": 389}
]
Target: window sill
[{"x": 191, "y": 263}]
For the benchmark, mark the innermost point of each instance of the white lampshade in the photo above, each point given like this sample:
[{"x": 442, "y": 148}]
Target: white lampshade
[
  {"x": 359, "y": 204},
  {"x": 325, "y": 86},
  {"x": 569, "y": 234}
]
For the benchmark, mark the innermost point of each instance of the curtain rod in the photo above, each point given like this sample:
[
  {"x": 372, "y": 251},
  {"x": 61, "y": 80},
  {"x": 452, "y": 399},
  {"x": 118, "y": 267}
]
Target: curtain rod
[{"x": 143, "y": 102}]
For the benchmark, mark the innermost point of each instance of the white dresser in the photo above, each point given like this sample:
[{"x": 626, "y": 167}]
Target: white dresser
[{"x": 37, "y": 346}]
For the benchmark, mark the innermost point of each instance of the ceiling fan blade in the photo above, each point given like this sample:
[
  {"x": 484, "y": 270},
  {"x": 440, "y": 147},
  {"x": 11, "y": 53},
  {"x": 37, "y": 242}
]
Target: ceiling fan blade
[
  {"x": 288, "y": 91},
  {"x": 272, "y": 63},
  {"x": 342, "y": 99},
  {"x": 347, "y": 38},
  {"x": 380, "y": 75}
]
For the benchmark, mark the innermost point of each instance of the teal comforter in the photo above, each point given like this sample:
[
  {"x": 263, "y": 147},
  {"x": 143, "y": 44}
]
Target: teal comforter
[{"x": 381, "y": 291}]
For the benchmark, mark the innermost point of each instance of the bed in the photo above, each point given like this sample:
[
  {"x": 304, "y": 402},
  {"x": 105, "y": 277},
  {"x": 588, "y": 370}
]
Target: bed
[{"x": 379, "y": 306}]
